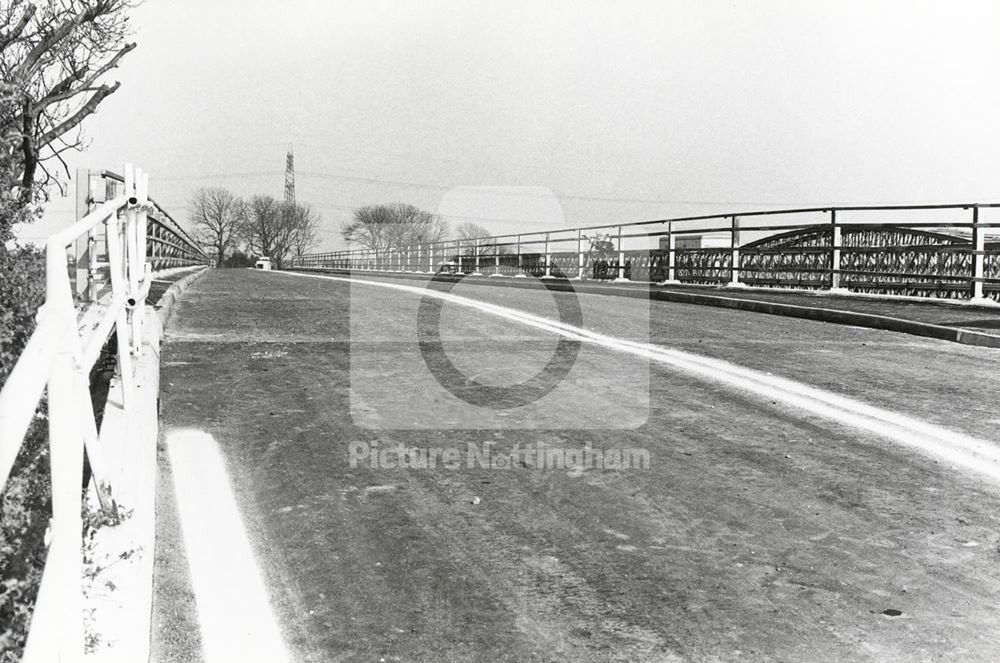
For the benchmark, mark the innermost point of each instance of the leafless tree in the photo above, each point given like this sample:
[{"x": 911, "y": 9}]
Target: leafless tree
[
  {"x": 384, "y": 228},
  {"x": 217, "y": 214},
  {"x": 264, "y": 229},
  {"x": 305, "y": 224},
  {"x": 276, "y": 229},
  {"x": 478, "y": 240},
  {"x": 54, "y": 56}
]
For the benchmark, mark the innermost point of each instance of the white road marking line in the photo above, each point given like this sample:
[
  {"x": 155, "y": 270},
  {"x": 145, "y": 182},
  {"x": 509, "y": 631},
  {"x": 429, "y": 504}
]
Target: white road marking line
[
  {"x": 233, "y": 607},
  {"x": 956, "y": 448}
]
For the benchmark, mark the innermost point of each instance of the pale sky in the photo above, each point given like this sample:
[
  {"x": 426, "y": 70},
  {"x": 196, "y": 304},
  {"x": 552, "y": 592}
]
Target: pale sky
[{"x": 624, "y": 111}]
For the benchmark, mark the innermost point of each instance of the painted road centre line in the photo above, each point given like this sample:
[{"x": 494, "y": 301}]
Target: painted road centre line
[
  {"x": 956, "y": 448},
  {"x": 234, "y": 612}
]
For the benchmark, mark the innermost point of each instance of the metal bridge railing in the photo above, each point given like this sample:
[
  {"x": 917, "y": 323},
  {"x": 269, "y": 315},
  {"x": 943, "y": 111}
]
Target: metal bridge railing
[
  {"x": 57, "y": 358},
  {"x": 910, "y": 249}
]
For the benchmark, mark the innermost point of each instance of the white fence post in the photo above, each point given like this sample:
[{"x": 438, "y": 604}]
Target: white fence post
[
  {"x": 548, "y": 257},
  {"x": 835, "y": 241},
  {"x": 671, "y": 253},
  {"x": 734, "y": 274},
  {"x": 141, "y": 266},
  {"x": 130, "y": 251},
  {"x": 621, "y": 255},
  {"x": 119, "y": 287},
  {"x": 978, "y": 255},
  {"x": 66, "y": 462},
  {"x": 579, "y": 254}
]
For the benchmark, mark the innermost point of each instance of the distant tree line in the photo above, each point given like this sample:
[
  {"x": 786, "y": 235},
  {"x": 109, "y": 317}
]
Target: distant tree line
[
  {"x": 383, "y": 229},
  {"x": 235, "y": 230}
]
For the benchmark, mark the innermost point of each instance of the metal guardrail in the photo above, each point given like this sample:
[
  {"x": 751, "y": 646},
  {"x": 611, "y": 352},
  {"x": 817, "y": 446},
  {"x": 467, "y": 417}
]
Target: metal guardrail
[
  {"x": 59, "y": 359},
  {"x": 923, "y": 249}
]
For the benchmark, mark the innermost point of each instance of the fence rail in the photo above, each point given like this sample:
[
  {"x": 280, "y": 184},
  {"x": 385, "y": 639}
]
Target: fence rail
[
  {"x": 947, "y": 250},
  {"x": 58, "y": 359}
]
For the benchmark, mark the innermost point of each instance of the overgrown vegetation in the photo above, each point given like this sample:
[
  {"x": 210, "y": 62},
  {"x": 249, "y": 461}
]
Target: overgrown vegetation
[
  {"x": 26, "y": 508},
  {"x": 26, "y": 497}
]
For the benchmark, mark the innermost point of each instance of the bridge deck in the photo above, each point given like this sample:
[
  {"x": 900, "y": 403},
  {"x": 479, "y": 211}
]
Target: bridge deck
[{"x": 761, "y": 530}]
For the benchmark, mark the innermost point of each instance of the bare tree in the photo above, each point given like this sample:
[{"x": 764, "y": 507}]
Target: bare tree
[
  {"x": 478, "y": 240},
  {"x": 53, "y": 57},
  {"x": 305, "y": 224},
  {"x": 217, "y": 214},
  {"x": 384, "y": 228},
  {"x": 275, "y": 229},
  {"x": 264, "y": 228}
]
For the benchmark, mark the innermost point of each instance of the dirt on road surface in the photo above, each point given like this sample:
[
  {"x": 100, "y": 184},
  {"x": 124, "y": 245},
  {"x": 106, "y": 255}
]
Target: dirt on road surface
[{"x": 758, "y": 531}]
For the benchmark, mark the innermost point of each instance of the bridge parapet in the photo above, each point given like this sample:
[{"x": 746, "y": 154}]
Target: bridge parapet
[
  {"x": 123, "y": 234},
  {"x": 950, "y": 251}
]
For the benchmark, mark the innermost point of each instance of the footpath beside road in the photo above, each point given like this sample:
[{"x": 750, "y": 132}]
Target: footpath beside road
[{"x": 944, "y": 319}]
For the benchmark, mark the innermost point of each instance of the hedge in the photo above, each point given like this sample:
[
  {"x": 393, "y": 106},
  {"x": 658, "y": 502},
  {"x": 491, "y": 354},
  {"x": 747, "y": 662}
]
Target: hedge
[{"x": 26, "y": 501}]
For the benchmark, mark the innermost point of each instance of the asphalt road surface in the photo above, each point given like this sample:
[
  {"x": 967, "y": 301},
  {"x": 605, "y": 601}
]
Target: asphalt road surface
[{"x": 763, "y": 527}]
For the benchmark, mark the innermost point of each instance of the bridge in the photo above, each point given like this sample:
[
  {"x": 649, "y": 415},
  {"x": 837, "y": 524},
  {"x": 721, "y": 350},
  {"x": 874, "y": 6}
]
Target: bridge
[{"x": 560, "y": 454}]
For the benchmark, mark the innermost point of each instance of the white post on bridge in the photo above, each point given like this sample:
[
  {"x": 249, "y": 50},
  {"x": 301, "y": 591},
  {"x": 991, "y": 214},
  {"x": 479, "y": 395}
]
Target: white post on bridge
[
  {"x": 621, "y": 256},
  {"x": 548, "y": 257},
  {"x": 518, "y": 256},
  {"x": 476, "y": 248},
  {"x": 978, "y": 255},
  {"x": 579, "y": 254},
  {"x": 142, "y": 267},
  {"x": 734, "y": 273},
  {"x": 835, "y": 242},
  {"x": 671, "y": 253}
]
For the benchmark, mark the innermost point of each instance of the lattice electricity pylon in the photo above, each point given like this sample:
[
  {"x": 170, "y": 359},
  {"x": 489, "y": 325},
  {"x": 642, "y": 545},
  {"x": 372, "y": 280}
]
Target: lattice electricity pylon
[{"x": 290, "y": 177}]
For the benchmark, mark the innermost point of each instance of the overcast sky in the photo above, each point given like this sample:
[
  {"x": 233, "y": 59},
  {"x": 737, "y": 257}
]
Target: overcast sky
[{"x": 622, "y": 110}]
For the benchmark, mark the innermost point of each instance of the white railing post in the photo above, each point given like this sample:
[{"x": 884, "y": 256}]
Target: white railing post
[
  {"x": 548, "y": 257},
  {"x": 141, "y": 266},
  {"x": 66, "y": 463},
  {"x": 579, "y": 252},
  {"x": 476, "y": 249},
  {"x": 671, "y": 253},
  {"x": 978, "y": 255},
  {"x": 131, "y": 258},
  {"x": 119, "y": 287},
  {"x": 496, "y": 257},
  {"x": 835, "y": 242},
  {"x": 734, "y": 236},
  {"x": 621, "y": 256},
  {"x": 519, "y": 258}
]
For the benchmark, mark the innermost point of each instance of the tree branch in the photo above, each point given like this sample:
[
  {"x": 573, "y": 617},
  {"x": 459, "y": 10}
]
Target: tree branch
[
  {"x": 32, "y": 59},
  {"x": 8, "y": 37},
  {"x": 57, "y": 95},
  {"x": 103, "y": 92}
]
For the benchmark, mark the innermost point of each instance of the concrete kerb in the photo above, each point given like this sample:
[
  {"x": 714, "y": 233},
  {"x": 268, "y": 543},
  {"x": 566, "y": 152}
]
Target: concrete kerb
[
  {"x": 119, "y": 586},
  {"x": 164, "y": 307},
  {"x": 661, "y": 293}
]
